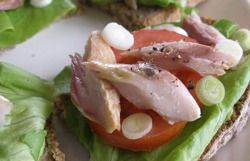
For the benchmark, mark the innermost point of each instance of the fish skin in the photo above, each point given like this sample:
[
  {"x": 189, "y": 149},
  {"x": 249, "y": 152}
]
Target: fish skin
[
  {"x": 10, "y": 4},
  {"x": 97, "y": 99},
  {"x": 201, "y": 32},
  {"x": 153, "y": 91},
  {"x": 203, "y": 59}
]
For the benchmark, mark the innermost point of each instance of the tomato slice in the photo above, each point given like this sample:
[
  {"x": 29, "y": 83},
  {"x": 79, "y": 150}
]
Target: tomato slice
[
  {"x": 161, "y": 133},
  {"x": 147, "y": 37},
  {"x": 189, "y": 79}
]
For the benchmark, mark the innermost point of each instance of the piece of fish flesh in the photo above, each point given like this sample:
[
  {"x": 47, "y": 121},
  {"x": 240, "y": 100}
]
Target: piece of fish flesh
[
  {"x": 205, "y": 60},
  {"x": 96, "y": 98},
  {"x": 150, "y": 88},
  {"x": 201, "y": 32}
]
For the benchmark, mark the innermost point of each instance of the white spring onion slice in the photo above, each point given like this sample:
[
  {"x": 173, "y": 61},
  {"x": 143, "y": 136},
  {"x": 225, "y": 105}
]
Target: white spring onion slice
[
  {"x": 243, "y": 37},
  {"x": 5, "y": 108},
  {"x": 117, "y": 36},
  {"x": 40, "y": 3},
  {"x": 210, "y": 90},
  {"x": 231, "y": 47},
  {"x": 171, "y": 27},
  {"x": 136, "y": 125}
]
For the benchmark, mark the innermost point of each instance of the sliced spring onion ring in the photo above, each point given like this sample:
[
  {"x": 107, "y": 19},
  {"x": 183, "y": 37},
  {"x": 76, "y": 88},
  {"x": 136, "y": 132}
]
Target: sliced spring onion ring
[
  {"x": 226, "y": 27},
  {"x": 136, "y": 125},
  {"x": 171, "y": 27},
  {"x": 210, "y": 90},
  {"x": 117, "y": 36},
  {"x": 231, "y": 47},
  {"x": 243, "y": 37}
]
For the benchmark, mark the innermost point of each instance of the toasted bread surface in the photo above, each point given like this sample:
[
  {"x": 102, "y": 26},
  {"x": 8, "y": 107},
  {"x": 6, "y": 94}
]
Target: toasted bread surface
[
  {"x": 51, "y": 150},
  {"x": 6, "y": 49},
  {"x": 142, "y": 17}
]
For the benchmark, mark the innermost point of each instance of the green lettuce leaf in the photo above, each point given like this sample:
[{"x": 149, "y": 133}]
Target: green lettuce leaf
[
  {"x": 163, "y": 3},
  {"x": 5, "y": 24},
  {"x": 34, "y": 141},
  {"x": 188, "y": 145},
  {"x": 32, "y": 99},
  {"x": 28, "y": 20},
  {"x": 63, "y": 80}
]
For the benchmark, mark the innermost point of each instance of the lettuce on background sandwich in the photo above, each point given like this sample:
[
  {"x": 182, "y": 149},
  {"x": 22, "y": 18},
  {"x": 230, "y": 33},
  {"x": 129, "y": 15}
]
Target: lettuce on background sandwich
[
  {"x": 199, "y": 138},
  {"x": 26, "y": 128},
  {"x": 20, "y": 20}
]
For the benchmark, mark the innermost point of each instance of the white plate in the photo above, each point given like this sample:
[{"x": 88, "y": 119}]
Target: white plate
[{"x": 48, "y": 52}]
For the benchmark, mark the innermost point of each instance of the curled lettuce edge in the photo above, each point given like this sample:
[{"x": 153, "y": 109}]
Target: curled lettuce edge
[{"x": 5, "y": 24}]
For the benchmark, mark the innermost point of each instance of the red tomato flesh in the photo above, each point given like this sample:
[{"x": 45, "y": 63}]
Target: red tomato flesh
[
  {"x": 189, "y": 79},
  {"x": 161, "y": 132}
]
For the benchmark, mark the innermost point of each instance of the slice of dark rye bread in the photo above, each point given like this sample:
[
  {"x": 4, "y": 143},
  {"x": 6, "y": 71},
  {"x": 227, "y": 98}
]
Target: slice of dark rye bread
[
  {"x": 142, "y": 17},
  {"x": 51, "y": 150},
  {"x": 228, "y": 130}
]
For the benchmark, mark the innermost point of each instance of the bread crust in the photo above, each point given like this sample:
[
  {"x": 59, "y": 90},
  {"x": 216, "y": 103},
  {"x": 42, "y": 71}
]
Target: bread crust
[
  {"x": 232, "y": 127},
  {"x": 6, "y": 49},
  {"x": 51, "y": 150},
  {"x": 142, "y": 17}
]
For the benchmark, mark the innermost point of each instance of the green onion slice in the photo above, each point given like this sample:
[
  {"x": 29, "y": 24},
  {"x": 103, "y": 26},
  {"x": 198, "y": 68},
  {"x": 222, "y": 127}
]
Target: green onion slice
[
  {"x": 171, "y": 27},
  {"x": 226, "y": 27},
  {"x": 243, "y": 37},
  {"x": 232, "y": 47},
  {"x": 117, "y": 36},
  {"x": 210, "y": 90},
  {"x": 136, "y": 125}
]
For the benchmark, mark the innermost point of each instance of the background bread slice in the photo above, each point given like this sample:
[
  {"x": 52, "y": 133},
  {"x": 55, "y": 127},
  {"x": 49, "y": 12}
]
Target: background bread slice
[
  {"x": 51, "y": 151},
  {"x": 142, "y": 17},
  {"x": 6, "y": 49}
]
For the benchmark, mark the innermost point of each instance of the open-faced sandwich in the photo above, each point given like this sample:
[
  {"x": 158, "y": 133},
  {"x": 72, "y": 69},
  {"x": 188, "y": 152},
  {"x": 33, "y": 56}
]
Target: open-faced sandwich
[
  {"x": 137, "y": 14},
  {"x": 26, "y": 129},
  {"x": 156, "y": 94},
  {"x": 21, "y": 19}
]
